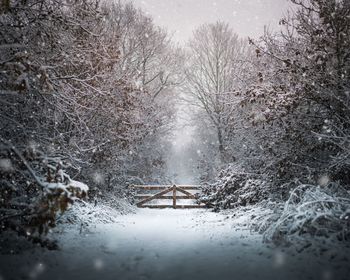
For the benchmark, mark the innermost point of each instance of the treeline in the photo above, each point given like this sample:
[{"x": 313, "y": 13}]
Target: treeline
[
  {"x": 85, "y": 88},
  {"x": 278, "y": 109},
  {"x": 279, "y": 106}
]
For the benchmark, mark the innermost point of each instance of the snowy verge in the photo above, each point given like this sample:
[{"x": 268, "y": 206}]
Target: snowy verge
[
  {"x": 79, "y": 217},
  {"x": 235, "y": 188},
  {"x": 302, "y": 216},
  {"x": 310, "y": 211},
  {"x": 85, "y": 213}
]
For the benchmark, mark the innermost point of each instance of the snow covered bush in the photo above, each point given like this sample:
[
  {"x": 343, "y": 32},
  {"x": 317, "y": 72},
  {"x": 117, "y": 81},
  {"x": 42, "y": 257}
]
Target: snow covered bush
[
  {"x": 34, "y": 190},
  {"x": 233, "y": 189},
  {"x": 303, "y": 94},
  {"x": 310, "y": 211}
]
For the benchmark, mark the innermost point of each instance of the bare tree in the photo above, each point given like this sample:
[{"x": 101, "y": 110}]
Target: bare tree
[{"x": 213, "y": 73}]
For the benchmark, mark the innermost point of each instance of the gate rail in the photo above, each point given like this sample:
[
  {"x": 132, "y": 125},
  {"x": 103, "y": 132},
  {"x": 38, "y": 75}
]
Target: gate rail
[{"x": 183, "y": 189}]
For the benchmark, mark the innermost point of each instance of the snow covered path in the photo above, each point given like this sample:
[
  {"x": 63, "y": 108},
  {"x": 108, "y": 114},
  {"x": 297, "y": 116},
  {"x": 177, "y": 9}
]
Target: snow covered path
[{"x": 167, "y": 244}]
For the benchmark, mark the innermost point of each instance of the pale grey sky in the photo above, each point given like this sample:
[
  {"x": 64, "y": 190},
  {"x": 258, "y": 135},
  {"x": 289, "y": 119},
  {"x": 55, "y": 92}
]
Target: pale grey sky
[{"x": 246, "y": 17}]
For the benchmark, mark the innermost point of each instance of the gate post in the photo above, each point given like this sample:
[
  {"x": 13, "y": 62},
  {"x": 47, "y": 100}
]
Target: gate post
[{"x": 174, "y": 196}]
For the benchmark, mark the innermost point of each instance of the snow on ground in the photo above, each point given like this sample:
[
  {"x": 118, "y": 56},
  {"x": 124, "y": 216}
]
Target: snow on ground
[
  {"x": 168, "y": 244},
  {"x": 87, "y": 213}
]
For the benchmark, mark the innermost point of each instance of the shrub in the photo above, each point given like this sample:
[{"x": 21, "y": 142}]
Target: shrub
[
  {"x": 310, "y": 210},
  {"x": 34, "y": 189},
  {"x": 234, "y": 189}
]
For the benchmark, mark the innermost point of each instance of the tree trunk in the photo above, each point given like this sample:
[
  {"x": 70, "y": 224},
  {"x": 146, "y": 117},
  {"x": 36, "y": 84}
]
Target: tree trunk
[{"x": 220, "y": 140}]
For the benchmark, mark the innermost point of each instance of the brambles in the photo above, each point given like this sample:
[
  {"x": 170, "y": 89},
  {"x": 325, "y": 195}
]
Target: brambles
[
  {"x": 34, "y": 190},
  {"x": 314, "y": 211},
  {"x": 234, "y": 189}
]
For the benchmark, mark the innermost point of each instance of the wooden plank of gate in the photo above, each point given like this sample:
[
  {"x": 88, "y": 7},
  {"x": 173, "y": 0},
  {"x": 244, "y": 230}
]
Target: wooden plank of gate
[
  {"x": 142, "y": 196},
  {"x": 150, "y": 187},
  {"x": 171, "y": 206},
  {"x": 165, "y": 189},
  {"x": 186, "y": 193},
  {"x": 161, "y": 187},
  {"x": 153, "y": 197},
  {"x": 189, "y": 187},
  {"x": 174, "y": 196}
]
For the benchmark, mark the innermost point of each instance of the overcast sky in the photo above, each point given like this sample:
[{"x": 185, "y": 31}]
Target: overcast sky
[{"x": 246, "y": 17}]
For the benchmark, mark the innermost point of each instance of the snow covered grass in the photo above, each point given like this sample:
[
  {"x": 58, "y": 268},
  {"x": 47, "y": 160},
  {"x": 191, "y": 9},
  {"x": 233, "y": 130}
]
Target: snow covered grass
[
  {"x": 314, "y": 211},
  {"x": 85, "y": 214},
  {"x": 307, "y": 216},
  {"x": 79, "y": 218}
]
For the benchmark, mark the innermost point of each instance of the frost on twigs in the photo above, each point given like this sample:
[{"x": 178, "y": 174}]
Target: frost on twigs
[
  {"x": 33, "y": 191},
  {"x": 234, "y": 189},
  {"x": 312, "y": 211}
]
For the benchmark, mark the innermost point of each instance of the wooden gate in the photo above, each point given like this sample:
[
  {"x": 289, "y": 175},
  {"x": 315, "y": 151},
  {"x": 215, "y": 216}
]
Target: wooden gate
[{"x": 165, "y": 189}]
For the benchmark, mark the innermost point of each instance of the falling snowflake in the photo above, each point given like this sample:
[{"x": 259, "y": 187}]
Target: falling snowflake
[
  {"x": 37, "y": 270},
  {"x": 279, "y": 259},
  {"x": 6, "y": 165},
  {"x": 323, "y": 180},
  {"x": 98, "y": 178},
  {"x": 98, "y": 264}
]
